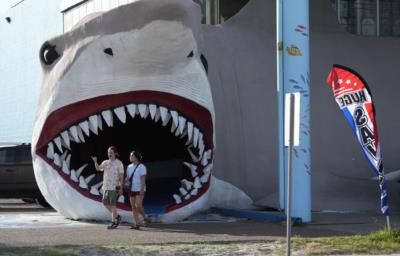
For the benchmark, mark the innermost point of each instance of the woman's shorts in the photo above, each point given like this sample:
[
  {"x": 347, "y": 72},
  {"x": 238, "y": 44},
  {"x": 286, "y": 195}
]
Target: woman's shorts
[
  {"x": 110, "y": 197},
  {"x": 134, "y": 193}
]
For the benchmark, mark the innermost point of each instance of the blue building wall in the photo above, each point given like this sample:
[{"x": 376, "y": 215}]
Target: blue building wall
[{"x": 32, "y": 22}]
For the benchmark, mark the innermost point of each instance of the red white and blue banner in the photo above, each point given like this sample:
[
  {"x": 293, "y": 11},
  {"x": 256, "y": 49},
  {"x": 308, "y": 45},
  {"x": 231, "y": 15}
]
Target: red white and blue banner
[{"x": 354, "y": 98}]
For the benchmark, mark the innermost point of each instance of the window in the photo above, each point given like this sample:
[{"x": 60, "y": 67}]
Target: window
[
  {"x": 213, "y": 11},
  {"x": 369, "y": 17},
  {"x": 219, "y": 11},
  {"x": 15, "y": 155},
  {"x": 7, "y": 155}
]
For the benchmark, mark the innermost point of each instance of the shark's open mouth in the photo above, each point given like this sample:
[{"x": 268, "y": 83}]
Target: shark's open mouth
[{"x": 174, "y": 134}]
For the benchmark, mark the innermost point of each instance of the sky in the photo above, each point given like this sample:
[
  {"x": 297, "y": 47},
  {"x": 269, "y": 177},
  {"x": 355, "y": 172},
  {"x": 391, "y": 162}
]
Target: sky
[{"x": 4, "y": 5}]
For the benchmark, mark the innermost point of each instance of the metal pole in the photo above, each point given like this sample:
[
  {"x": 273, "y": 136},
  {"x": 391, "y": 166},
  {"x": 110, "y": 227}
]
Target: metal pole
[
  {"x": 281, "y": 94},
  {"x": 212, "y": 12},
  {"x": 217, "y": 16},
  {"x": 358, "y": 5},
  {"x": 377, "y": 18},
  {"x": 289, "y": 177}
]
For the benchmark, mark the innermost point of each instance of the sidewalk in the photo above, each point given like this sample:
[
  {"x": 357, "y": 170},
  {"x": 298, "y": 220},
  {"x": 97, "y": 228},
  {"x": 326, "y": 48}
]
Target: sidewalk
[{"x": 41, "y": 227}]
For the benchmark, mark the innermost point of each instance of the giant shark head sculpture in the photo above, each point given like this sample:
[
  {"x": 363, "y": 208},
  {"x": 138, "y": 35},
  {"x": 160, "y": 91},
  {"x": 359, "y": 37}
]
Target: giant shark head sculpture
[{"x": 131, "y": 77}]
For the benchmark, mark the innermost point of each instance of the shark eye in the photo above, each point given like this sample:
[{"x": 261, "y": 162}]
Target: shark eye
[
  {"x": 109, "y": 51},
  {"x": 49, "y": 54},
  {"x": 190, "y": 54}
]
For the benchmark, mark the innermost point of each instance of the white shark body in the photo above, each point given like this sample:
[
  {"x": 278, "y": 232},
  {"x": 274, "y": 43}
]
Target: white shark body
[{"x": 114, "y": 79}]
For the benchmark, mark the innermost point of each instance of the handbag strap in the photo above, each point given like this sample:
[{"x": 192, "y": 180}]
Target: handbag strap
[{"x": 133, "y": 173}]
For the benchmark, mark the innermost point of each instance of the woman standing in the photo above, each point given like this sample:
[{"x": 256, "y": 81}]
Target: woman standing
[
  {"x": 112, "y": 183},
  {"x": 136, "y": 173}
]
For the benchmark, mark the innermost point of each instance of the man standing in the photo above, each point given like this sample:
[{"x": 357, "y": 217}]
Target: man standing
[{"x": 112, "y": 183}]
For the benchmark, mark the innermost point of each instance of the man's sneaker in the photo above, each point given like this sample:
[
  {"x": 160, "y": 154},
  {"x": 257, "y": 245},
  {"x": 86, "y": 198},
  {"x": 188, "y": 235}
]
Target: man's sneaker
[
  {"x": 112, "y": 226},
  {"x": 118, "y": 219}
]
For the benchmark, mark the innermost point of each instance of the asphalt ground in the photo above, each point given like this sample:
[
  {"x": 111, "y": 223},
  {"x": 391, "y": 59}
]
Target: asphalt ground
[{"x": 23, "y": 224}]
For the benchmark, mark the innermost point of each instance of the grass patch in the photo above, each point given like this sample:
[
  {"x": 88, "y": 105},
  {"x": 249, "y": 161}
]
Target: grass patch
[{"x": 380, "y": 242}]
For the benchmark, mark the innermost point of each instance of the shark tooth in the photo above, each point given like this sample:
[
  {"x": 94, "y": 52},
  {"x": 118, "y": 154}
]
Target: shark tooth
[
  {"x": 82, "y": 183},
  {"x": 158, "y": 116},
  {"x": 143, "y": 110},
  {"x": 174, "y": 116},
  {"x": 192, "y": 168},
  {"x": 194, "y": 191},
  {"x": 65, "y": 168},
  {"x": 131, "y": 109},
  {"x": 80, "y": 134},
  {"x": 89, "y": 178},
  {"x": 65, "y": 137},
  {"x": 120, "y": 113},
  {"x": 177, "y": 132},
  {"x": 85, "y": 127},
  {"x": 108, "y": 117},
  {"x": 121, "y": 199},
  {"x": 68, "y": 160},
  {"x": 100, "y": 122},
  {"x": 195, "y": 137},
  {"x": 57, "y": 160},
  {"x": 94, "y": 124},
  {"x": 187, "y": 197},
  {"x": 183, "y": 134},
  {"x": 201, "y": 143},
  {"x": 188, "y": 185},
  {"x": 192, "y": 155},
  {"x": 64, "y": 155},
  {"x": 173, "y": 127},
  {"x": 50, "y": 151},
  {"x": 207, "y": 171},
  {"x": 73, "y": 176},
  {"x": 98, "y": 185},
  {"x": 197, "y": 183},
  {"x": 163, "y": 113},
  {"x": 204, "y": 160},
  {"x": 182, "y": 191},
  {"x": 57, "y": 141},
  {"x": 79, "y": 171},
  {"x": 182, "y": 123},
  {"x": 166, "y": 121},
  {"x": 94, "y": 191},
  {"x": 153, "y": 110},
  {"x": 73, "y": 130},
  {"x": 190, "y": 131},
  {"x": 177, "y": 198}
]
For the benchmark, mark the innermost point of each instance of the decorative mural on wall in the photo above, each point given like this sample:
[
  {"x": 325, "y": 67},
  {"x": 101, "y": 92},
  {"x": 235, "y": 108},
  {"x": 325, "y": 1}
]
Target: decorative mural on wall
[{"x": 131, "y": 77}]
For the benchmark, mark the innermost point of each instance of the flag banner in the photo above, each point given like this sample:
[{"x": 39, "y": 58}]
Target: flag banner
[{"x": 354, "y": 98}]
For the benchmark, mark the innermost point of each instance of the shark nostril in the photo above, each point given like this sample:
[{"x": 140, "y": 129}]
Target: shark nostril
[
  {"x": 190, "y": 54},
  {"x": 49, "y": 54},
  {"x": 109, "y": 51}
]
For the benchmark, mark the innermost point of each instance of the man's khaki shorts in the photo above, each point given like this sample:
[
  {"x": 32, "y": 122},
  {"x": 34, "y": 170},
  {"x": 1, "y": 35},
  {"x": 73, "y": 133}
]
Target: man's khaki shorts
[{"x": 110, "y": 197}]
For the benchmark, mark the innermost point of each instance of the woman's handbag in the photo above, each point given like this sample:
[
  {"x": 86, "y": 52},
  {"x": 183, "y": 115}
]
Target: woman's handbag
[{"x": 128, "y": 183}]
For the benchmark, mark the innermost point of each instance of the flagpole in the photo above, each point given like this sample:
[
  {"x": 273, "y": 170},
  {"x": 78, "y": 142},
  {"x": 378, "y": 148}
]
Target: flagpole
[
  {"x": 388, "y": 222},
  {"x": 366, "y": 128}
]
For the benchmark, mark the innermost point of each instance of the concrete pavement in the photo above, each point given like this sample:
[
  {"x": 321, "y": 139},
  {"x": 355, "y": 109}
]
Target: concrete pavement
[{"x": 30, "y": 225}]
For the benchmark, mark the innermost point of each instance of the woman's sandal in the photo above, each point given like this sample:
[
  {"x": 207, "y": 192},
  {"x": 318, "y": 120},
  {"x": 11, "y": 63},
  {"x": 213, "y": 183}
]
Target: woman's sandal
[{"x": 135, "y": 227}]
